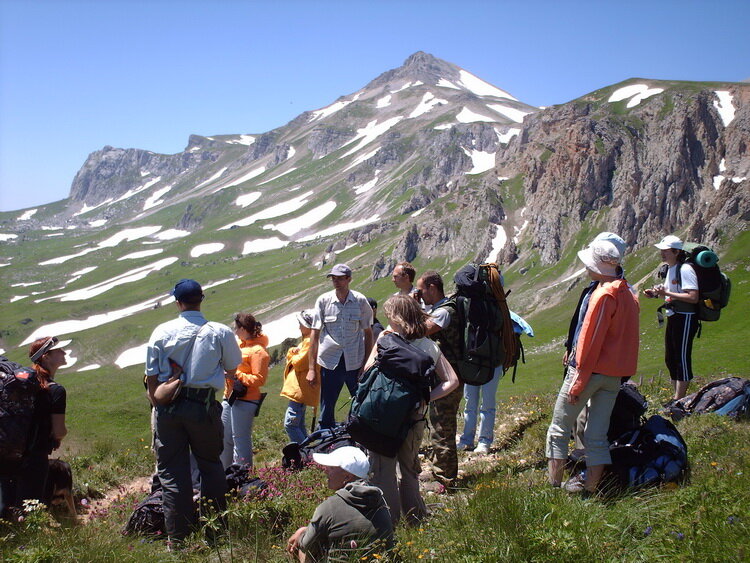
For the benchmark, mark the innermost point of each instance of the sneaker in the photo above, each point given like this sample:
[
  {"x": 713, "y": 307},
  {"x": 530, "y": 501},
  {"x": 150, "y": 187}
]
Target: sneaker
[
  {"x": 575, "y": 484},
  {"x": 482, "y": 448},
  {"x": 465, "y": 447}
]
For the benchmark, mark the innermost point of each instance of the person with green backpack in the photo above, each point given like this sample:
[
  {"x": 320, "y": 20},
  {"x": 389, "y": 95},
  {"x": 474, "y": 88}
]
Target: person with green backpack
[{"x": 680, "y": 293}]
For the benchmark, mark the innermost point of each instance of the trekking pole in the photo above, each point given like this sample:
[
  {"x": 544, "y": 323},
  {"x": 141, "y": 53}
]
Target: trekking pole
[{"x": 314, "y": 418}]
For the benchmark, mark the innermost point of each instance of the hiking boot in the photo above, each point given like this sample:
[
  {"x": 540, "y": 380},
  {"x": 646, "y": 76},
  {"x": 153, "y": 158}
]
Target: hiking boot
[
  {"x": 575, "y": 485},
  {"x": 465, "y": 447},
  {"x": 482, "y": 448}
]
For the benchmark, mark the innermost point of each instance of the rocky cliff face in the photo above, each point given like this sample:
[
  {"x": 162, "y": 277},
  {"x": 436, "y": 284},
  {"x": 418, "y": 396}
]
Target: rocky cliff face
[{"x": 653, "y": 169}]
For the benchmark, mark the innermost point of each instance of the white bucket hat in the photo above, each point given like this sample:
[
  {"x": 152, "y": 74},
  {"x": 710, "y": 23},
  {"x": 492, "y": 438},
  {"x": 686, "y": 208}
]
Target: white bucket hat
[
  {"x": 669, "y": 241},
  {"x": 348, "y": 458},
  {"x": 601, "y": 257}
]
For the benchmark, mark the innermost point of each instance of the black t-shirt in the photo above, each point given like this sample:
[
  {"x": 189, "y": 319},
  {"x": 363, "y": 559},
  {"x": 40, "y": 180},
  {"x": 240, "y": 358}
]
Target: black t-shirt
[{"x": 48, "y": 402}]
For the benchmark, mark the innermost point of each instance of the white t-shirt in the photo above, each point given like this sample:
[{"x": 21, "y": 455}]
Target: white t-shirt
[
  {"x": 440, "y": 315},
  {"x": 689, "y": 281}
]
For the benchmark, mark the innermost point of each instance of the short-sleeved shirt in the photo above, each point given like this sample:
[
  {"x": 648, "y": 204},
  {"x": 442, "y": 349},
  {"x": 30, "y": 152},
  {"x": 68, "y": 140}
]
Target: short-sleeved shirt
[
  {"x": 342, "y": 327},
  {"x": 204, "y": 350},
  {"x": 689, "y": 280},
  {"x": 49, "y": 401},
  {"x": 440, "y": 315}
]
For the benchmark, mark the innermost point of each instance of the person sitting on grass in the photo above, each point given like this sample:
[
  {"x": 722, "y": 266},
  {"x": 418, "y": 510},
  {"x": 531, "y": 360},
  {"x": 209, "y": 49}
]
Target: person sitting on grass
[{"x": 354, "y": 519}]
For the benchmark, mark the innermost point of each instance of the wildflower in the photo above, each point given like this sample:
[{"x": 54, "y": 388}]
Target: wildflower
[
  {"x": 679, "y": 535},
  {"x": 412, "y": 543},
  {"x": 647, "y": 531},
  {"x": 353, "y": 544},
  {"x": 84, "y": 502},
  {"x": 732, "y": 519},
  {"x": 714, "y": 464}
]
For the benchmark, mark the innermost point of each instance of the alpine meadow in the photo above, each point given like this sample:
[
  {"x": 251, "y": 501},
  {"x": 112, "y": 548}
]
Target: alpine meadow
[{"x": 430, "y": 164}]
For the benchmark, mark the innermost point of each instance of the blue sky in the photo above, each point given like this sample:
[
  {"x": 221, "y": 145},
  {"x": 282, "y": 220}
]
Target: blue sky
[{"x": 78, "y": 75}]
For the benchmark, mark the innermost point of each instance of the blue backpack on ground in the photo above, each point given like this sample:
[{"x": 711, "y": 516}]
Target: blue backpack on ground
[
  {"x": 652, "y": 454},
  {"x": 729, "y": 397},
  {"x": 388, "y": 393}
]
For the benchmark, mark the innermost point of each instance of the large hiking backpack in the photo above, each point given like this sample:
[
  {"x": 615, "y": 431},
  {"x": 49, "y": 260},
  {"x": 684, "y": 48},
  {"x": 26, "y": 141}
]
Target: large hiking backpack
[
  {"x": 714, "y": 287},
  {"x": 627, "y": 414},
  {"x": 383, "y": 407},
  {"x": 652, "y": 454},
  {"x": 19, "y": 387},
  {"x": 488, "y": 339},
  {"x": 325, "y": 440},
  {"x": 729, "y": 396}
]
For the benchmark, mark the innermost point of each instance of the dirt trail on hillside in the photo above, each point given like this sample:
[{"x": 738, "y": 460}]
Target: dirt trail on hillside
[{"x": 101, "y": 507}]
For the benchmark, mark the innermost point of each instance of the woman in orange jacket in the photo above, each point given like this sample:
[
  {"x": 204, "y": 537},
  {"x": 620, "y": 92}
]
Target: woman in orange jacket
[
  {"x": 242, "y": 392},
  {"x": 605, "y": 348},
  {"x": 300, "y": 392}
]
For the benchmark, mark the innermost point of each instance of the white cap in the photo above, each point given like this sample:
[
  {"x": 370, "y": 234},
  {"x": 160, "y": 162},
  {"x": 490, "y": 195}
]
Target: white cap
[
  {"x": 348, "y": 458},
  {"x": 669, "y": 241},
  {"x": 601, "y": 257}
]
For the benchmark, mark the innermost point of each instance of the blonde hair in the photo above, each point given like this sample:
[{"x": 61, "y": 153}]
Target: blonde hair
[{"x": 406, "y": 312}]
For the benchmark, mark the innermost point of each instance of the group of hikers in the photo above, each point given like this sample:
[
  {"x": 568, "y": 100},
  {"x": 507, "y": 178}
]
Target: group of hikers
[{"x": 196, "y": 438}]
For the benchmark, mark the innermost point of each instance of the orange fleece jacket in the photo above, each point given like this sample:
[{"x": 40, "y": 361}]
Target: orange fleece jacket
[
  {"x": 253, "y": 370},
  {"x": 608, "y": 342}
]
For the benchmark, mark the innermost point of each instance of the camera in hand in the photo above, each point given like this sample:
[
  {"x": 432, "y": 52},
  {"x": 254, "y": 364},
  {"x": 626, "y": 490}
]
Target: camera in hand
[{"x": 238, "y": 390}]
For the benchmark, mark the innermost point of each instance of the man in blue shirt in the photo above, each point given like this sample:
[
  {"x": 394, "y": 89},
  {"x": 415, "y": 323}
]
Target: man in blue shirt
[{"x": 204, "y": 353}]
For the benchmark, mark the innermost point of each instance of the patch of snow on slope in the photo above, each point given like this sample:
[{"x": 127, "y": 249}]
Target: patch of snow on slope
[
  {"x": 129, "y": 235},
  {"x": 86, "y": 208},
  {"x": 130, "y": 193},
  {"x": 508, "y": 135},
  {"x": 418, "y": 212},
  {"x": 724, "y": 106},
  {"x": 570, "y": 277},
  {"x": 333, "y": 108},
  {"x": 340, "y": 228},
  {"x": 261, "y": 245},
  {"x": 407, "y": 85},
  {"x": 277, "y": 176},
  {"x": 141, "y": 254},
  {"x": 291, "y": 152},
  {"x": 305, "y": 220},
  {"x": 17, "y": 298},
  {"x": 249, "y": 176},
  {"x": 243, "y": 140},
  {"x": 443, "y": 126},
  {"x": 247, "y": 199},
  {"x": 210, "y": 248},
  {"x": 144, "y": 173},
  {"x": 24, "y": 284},
  {"x": 638, "y": 93},
  {"x": 89, "y": 367},
  {"x": 4, "y": 264},
  {"x": 97, "y": 223},
  {"x": 27, "y": 215},
  {"x": 519, "y": 230},
  {"x": 447, "y": 84},
  {"x": 498, "y": 243},
  {"x": 360, "y": 159},
  {"x": 54, "y": 235},
  {"x": 370, "y": 132},
  {"x": 468, "y": 116},
  {"x": 51, "y": 228},
  {"x": 171, "y": 234},
  {"x": 84, "y": 271},
  {"x": 132, "y": 357},
  {"x": 718, "y": 179},
  {"x": 482, "y": 161},
  {"x": 428, "y": 102},
  {"x": 212, "y": 178},
  {"x": 367, "y": 186},
  {"x": 383, "y": 102},
  {"x": 515, "y": 114},
  {"x": 480, "y": 87},
  {"x": 723, "y": 165},
  {"x": 280, "y": 329},
  {"x": 277, "y": 210},
  {"x": 155, "y": 198},
  {"x": 102, "y": 287}
]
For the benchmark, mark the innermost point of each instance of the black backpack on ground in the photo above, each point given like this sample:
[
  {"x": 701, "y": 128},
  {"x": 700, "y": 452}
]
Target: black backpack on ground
[
  {"x": 19, "y": 387},
  {"x": 627, "y": 414},
  {"x": 389, "y": 391},
  {"x": 325, "y": 440},
  {"x": 729, "y": 396},
  {"x": 148, "y": 517},
  {"x": 488, "y": 339},
  {"x": 652, "y": 454},
  {"x": 241, "y": 482}
]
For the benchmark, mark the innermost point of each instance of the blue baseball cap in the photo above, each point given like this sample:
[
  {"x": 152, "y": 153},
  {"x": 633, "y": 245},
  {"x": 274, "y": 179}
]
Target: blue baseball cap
[{"x": 188, "y": 291}]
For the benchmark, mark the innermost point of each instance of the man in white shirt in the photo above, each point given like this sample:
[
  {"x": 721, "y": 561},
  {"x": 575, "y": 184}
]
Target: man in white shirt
[
  {"x": 340, "y": 341},
  {"x": 205, "y": 353}
]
